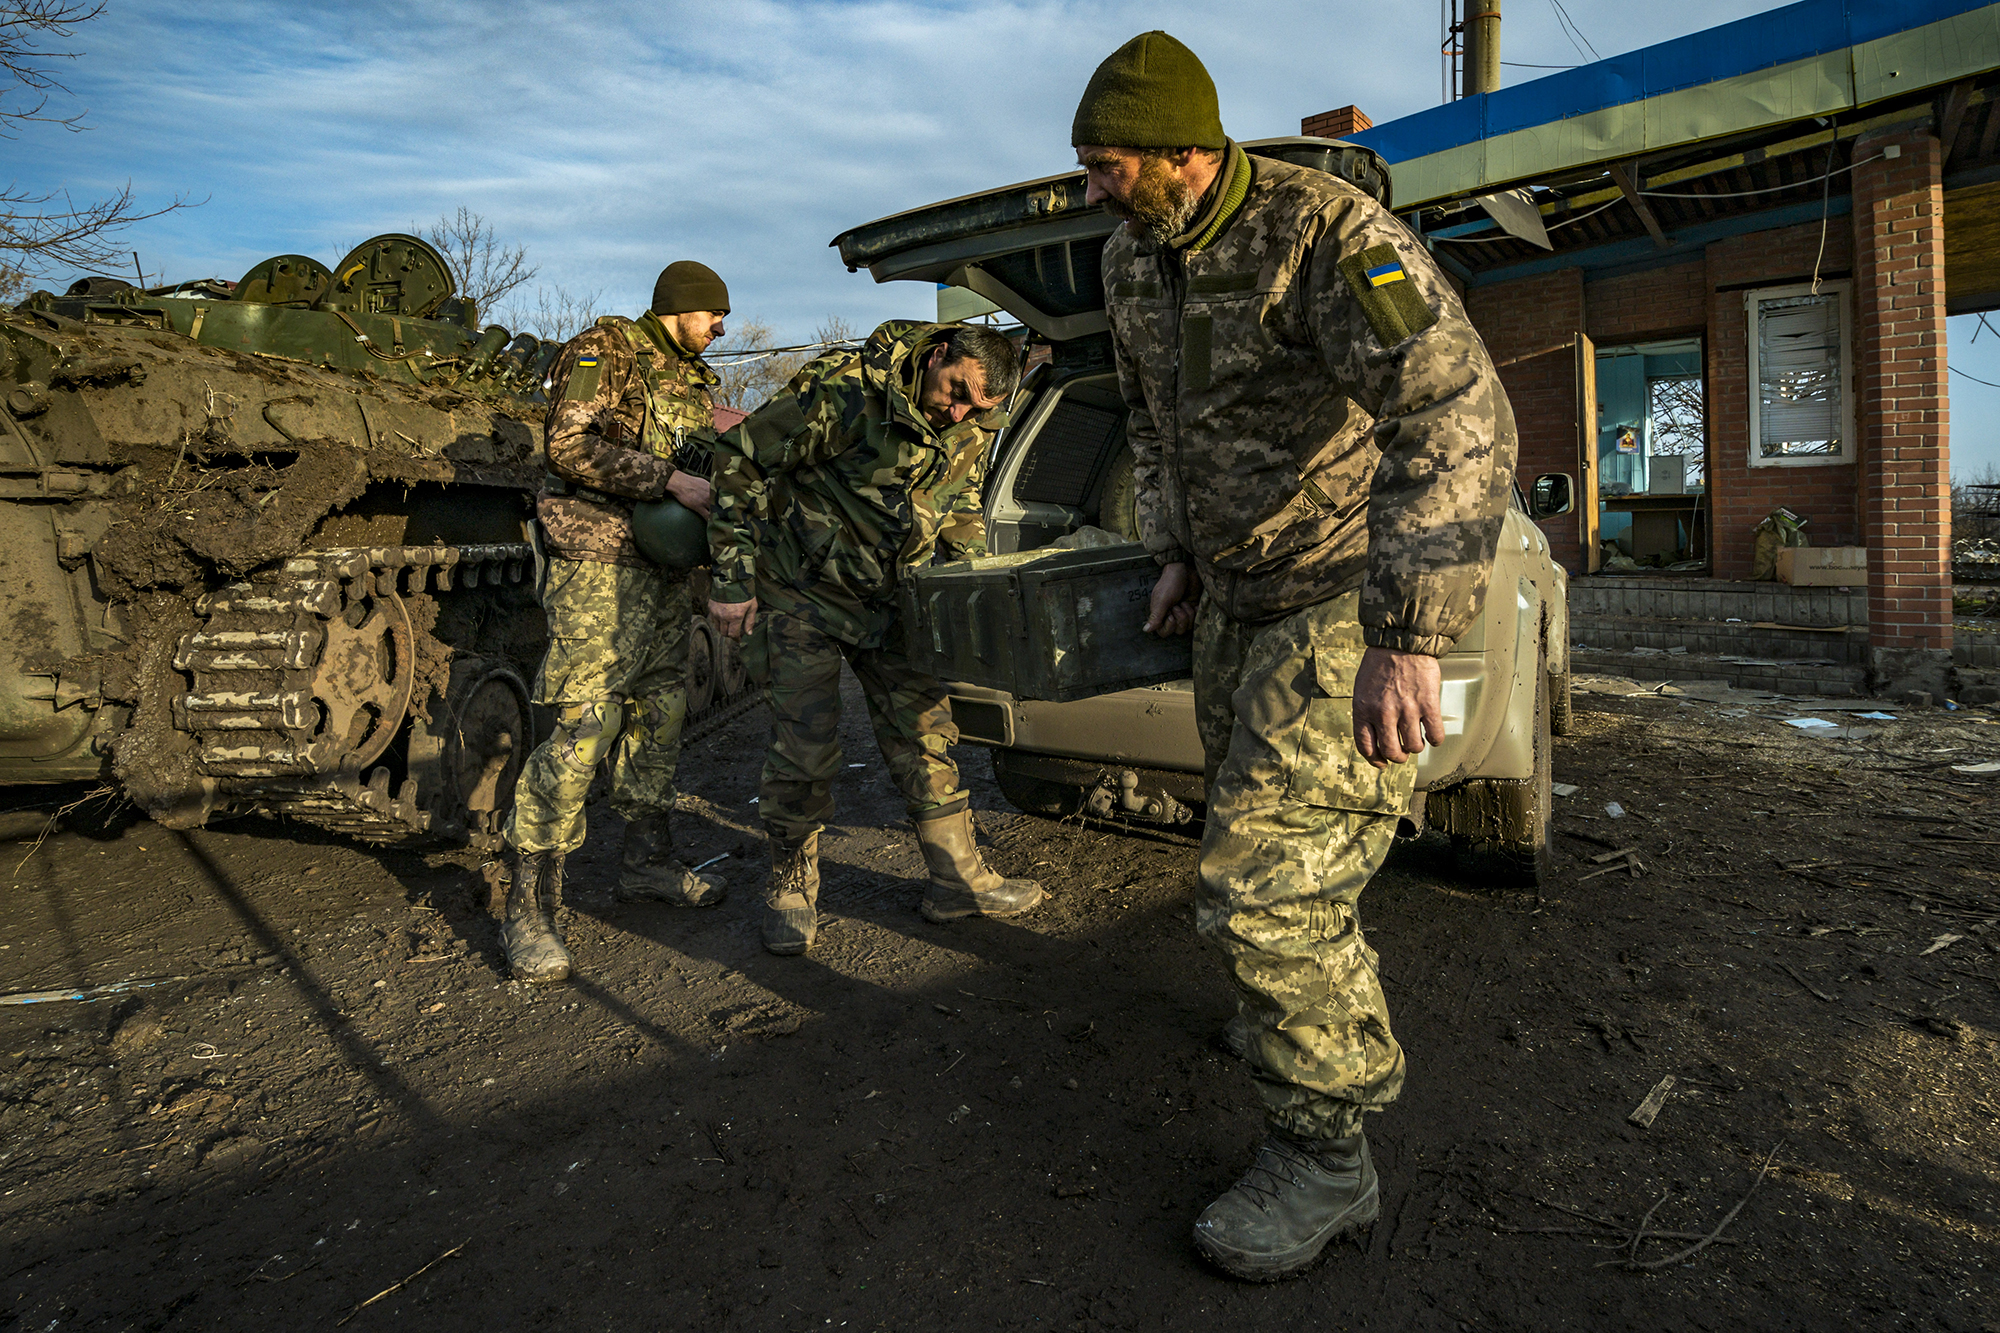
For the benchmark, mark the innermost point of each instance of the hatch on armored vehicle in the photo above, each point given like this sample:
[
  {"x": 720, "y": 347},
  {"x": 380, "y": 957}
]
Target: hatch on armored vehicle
[
  {"x": 268, "y": 545},
  {"x": 1063, "y": 466}
]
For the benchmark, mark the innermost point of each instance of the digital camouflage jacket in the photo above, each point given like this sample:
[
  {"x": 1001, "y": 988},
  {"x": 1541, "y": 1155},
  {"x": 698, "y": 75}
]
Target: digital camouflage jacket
[
  {"x": 828, "y": 492},
  {"x": 624, "y": 396},
  {"x": 1311, "y": 411}
]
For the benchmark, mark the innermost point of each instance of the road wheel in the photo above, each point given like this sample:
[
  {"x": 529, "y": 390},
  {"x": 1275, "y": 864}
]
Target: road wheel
[
  {"x": 1031, "y": 795},
  {"x": 1561, "y": 717},
  {"x": 701, "y": 671},
  {"x": 1500, "y": 830}
]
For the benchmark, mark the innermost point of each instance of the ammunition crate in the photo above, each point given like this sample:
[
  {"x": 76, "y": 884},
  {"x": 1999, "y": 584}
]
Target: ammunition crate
[{"x": 1050, "y": 624}]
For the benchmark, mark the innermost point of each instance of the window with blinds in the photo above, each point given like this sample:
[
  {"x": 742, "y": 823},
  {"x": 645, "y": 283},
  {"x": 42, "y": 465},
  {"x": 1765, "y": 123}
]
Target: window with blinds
[{"x": 1800, "y": 401}]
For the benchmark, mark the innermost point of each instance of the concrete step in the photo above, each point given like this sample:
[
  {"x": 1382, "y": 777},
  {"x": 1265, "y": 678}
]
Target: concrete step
[
  {"x": 1778, "y": 676},
  {"x": 1716, "y": 599},
  {"x": 1718, "y": 638}
]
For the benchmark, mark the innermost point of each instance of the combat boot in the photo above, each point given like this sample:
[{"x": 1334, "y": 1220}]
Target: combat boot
[
  {"x": 1297, "y": 1195},
  {"x": 961, "y": 884},
  {"x": 534, "y": 942},
  {"x": 650, "y": 872},
  {"x": 791, "y": 895}
]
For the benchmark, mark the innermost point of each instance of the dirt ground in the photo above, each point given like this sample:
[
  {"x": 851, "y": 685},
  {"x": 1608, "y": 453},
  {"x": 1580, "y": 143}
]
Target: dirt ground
[{"x": 338, "y": 1098}]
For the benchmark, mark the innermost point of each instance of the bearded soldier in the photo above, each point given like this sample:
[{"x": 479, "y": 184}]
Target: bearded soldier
[
  {"x": 626, "y": 394},
  {"x": 858, "y": 472},
  {"x": 1323, "y": 454}
]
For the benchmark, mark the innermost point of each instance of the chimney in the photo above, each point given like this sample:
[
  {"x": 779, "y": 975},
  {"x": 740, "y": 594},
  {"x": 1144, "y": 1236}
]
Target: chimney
[{"x": 1335, "y": 124}]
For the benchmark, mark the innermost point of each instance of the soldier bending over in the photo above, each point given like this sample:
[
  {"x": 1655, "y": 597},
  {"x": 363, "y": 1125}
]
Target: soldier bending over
[{"x": 824, "y": 497}]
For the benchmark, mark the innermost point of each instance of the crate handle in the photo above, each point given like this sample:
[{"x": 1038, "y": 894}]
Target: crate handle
[
  {"x": 937, "y": 626},
  {"x": 975, "y": 625}
]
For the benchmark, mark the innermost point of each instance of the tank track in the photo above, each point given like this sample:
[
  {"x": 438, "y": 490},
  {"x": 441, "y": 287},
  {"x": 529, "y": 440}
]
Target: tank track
[{"x": 303, "y": 676}]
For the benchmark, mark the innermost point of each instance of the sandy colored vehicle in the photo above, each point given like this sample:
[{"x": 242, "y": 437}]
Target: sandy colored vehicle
[{"x": 1033, "y": 250}]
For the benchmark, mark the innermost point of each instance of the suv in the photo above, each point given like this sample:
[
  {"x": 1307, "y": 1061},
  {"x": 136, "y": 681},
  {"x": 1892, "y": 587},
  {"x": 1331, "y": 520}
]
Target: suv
[{"x": 1033, "y": 250}]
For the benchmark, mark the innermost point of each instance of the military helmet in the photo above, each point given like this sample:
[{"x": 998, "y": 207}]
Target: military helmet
[{"x": 670, "y": 534}]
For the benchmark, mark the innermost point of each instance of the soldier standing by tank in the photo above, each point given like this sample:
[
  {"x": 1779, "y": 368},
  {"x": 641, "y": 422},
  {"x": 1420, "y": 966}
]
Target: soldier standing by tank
[
  {"x": 1323, "y": 453},
  {"x": 824, "y": 497},
  {"x": 626, "y": 394}
]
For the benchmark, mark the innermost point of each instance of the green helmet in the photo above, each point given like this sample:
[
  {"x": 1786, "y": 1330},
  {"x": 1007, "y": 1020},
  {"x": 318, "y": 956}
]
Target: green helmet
[{"x": 671, "y": 534}]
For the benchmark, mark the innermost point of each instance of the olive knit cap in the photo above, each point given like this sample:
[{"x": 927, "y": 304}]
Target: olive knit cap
[
  {"x": 685, "y": 285},
  {"x": 1151, "y": 92}
]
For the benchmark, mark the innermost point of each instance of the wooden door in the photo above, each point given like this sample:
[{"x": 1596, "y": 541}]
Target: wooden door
[{"x": 1586, "y": 451}]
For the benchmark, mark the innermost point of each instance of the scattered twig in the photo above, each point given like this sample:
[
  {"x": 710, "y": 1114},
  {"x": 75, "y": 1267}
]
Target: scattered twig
[
  {"x": 1648, "y": 1110},
  {"x": 858, "y": 1222},
  {"x": 716, "y": 1144},
  {"x": 1792, "y": 972},
  {"x": 1654, "y": 1265},
  {"x": 1639, "y": 1235},
  {"x": 404, "y": 1283}
]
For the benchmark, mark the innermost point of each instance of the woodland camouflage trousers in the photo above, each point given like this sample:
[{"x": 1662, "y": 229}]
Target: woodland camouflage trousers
[
  {"x": 1298, "y": 822},
  {"x": 911, "y": 717},
  {"x": 616, "y": 676}
]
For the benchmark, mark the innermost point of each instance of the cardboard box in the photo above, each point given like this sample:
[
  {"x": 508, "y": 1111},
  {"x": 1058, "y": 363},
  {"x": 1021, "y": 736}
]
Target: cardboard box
[{"x": 1824, "y": 566}]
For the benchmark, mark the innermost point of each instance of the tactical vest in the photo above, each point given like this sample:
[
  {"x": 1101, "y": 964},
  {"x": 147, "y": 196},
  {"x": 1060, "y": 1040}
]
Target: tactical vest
[{"x": 680, "y": 418}]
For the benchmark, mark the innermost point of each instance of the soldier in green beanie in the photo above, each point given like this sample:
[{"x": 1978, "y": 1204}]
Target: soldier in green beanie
[
  {"x": 625, "y": 394},
  {"x": 1323, "y": 456}
]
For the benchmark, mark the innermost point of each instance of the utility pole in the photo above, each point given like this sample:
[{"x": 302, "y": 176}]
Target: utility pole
[{"x": 1482, "y": 47}]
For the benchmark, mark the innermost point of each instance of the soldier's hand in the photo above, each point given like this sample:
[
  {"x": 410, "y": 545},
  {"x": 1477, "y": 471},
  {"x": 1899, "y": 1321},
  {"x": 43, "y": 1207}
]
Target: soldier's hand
[
  {"x": 692, "y": 491},
  {"x": 736, "y": 618},
  {"x": 1397, "y": 705},
  {"x": 1173, "y": 603}
]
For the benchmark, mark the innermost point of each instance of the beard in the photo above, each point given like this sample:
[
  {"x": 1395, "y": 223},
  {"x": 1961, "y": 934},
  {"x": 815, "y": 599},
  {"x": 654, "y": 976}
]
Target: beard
[{"x": 1160, "y": 205}]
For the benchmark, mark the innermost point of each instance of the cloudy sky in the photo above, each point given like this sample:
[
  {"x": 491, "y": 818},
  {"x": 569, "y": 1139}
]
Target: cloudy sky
[{"x": 612, "y": 136}]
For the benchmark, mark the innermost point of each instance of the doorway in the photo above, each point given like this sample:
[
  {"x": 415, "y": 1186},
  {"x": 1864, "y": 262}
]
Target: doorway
[{"x": 1651, "y": 457}]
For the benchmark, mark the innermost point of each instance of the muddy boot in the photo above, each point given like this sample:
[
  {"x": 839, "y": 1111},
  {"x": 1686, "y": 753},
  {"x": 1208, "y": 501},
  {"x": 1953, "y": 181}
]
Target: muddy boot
[
  {"x": 651, "y": 873},
  {"x": 961, "y": 885},
  {"x": 791, "y": 896},
  {"x": 1297, "y": 1195},
  {"x": 535, "y": 949}
]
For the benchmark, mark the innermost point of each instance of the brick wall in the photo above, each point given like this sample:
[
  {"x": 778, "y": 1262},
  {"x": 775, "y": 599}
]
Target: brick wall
[
  {"x": 1337, "y": 123},
  {"x": 1640, "y": 307},
  {"x": 1903, "y": 413},
  {"x": 1741, "y": 495},
  {"x": 1530, "y": 328}
]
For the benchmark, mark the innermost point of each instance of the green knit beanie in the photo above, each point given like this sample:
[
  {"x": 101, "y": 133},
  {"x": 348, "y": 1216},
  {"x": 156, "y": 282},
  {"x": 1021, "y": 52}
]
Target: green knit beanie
[
  {"x": 1151, "y": 92},
  {"x": 686, "y": 285}
]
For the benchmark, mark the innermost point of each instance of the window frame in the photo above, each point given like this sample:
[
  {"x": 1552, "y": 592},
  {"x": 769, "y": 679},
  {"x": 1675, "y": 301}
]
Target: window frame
[{"x": 1841, "y": 290}]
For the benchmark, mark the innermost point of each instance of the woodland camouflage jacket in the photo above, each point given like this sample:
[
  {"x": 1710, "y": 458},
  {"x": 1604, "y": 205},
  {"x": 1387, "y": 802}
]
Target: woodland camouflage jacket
[
  {"x": 825, "y": 494},
  {"x": 1311, "y": 411},
  {"x": 625, "y": 396}
]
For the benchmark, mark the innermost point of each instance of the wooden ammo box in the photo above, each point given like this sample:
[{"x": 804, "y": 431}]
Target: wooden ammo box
[{"x": 1047, "y": 624}]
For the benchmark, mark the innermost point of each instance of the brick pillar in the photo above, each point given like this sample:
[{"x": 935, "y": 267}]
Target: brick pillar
[
  {"x": 1336, "y": 124},
  {"x": 1902, "y": 412}
]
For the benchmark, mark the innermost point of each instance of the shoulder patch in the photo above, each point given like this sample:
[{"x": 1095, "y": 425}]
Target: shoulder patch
[
  {"x": 584, "y": 378},
  {"x": 1396, "y": 310}
]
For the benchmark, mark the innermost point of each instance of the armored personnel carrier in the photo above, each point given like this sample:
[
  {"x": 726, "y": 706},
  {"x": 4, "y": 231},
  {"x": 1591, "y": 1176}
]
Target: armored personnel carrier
[{"x": 269, "y": 546}]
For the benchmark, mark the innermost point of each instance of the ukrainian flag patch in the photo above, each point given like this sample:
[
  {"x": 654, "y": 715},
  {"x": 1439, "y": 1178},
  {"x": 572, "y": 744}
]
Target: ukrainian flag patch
[
  {"x": 1394, "y": 305},
  {"x": 584, "y": 377}
]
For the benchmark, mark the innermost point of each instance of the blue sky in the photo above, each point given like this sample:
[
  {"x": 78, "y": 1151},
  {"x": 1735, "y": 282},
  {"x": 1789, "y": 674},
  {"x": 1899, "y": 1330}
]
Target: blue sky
[{"x": 614, "y": 136}]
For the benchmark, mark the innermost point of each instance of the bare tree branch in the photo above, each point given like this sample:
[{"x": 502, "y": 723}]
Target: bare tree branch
[
  {"x": 44, "y": 232},
  {"x": 487, "y": 270},
  {"x": 25, "y": 65},
  {"x": 753, "y": 367},
  {"x": 556, "y": 314}
]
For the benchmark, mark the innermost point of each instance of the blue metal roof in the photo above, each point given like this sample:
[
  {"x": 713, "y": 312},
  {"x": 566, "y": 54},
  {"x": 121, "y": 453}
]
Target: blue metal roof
[{"x": 1762, "y": 41}]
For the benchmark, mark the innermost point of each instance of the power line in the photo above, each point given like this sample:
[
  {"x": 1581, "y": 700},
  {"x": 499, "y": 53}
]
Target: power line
[{"x": 1563, "y": 17}]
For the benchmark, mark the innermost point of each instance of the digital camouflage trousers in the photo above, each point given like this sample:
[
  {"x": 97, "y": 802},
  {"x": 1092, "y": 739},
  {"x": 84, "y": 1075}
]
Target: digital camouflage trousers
[
  {"x": 616, "y": 676},
  {"x": 908, "y": 710},
  {"x": 1298, "y": 823}
]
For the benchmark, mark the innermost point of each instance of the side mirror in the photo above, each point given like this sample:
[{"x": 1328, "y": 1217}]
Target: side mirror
[{"x": 1554, "y": 493}]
